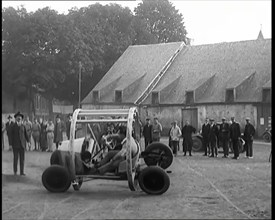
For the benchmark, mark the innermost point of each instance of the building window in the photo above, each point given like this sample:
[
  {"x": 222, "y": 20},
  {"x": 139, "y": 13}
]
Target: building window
[
  {"x": 118, "y": 96},
  {"x": 155, "y": 98},
  {"x": 266, "y": 95},
  {"x": 189, "y": 97},
  {"x": 95, "y": 96},
  {"x": 229, "y": 95}
]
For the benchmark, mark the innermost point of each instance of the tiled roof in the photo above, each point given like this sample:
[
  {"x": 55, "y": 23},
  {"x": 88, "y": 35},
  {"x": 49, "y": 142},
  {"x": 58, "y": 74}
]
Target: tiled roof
[
  {"x": 232, "y": 63},
  {"x": 136, "y": 61}
]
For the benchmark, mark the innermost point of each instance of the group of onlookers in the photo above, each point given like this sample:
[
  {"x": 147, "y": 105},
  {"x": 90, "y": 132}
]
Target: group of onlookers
[
  {"x": 225, "y": 134},
  {"x": 44, "y": 133}
]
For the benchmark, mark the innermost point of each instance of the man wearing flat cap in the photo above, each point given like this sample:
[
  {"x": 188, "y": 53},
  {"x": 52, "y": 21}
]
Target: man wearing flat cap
[
  {"x": 213, "y": 138},
  {"x": 235, "y": 135},
  {"x": 9, "y": 126},
  {"x": 59, "y": 127},
  {"x": 147, "y": 132},
  {"x": 224, "y": 131},
  {"x": 249, "y": 132},
  {"x": 19, "y": 140}
]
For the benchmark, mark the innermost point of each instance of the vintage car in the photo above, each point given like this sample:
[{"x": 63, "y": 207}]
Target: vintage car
[{"x": 68, "y": 168}]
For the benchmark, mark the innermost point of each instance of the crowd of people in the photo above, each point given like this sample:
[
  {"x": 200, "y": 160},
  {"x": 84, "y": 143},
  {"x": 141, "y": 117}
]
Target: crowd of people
[
  {"x": 214, "y": 135},
  {"x": 43, "y": 132}
]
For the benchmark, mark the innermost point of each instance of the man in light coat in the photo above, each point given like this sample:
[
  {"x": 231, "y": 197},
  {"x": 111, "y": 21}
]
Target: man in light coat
[{"x": 175, "y": 134}]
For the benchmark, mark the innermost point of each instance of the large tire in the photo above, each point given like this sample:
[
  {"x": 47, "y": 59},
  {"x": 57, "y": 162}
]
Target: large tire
[
  {"x": 153, "y": 180},
  {"x": 158, "y": 154},
  {"x": 197, "y": 144},
  {"x": 267, "y": 137},
  {"x": 56, "y": 179}
]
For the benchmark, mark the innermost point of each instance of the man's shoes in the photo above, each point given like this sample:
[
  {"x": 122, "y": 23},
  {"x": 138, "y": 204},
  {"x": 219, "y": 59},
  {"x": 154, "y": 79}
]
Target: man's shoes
[
  {"x": 184, "y": 155},
  {"x": 22, "y": 174},
  {"x": 190, "y": 155},
  {"x": 236, "y": 158},
  {"x": 216, "y": 156},
  {"x": 211, "y": 156},
  {"x": 204, "y": 155},
  {"x": 250, "y": 157},
  {"x": 15, "y": 174}
]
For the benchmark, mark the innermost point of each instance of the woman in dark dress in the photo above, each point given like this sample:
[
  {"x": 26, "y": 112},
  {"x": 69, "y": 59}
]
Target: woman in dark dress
[{"x": 43, "y": 136}]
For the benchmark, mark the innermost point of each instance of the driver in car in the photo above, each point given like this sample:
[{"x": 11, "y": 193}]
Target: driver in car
[{"x": 112, "y": 159}]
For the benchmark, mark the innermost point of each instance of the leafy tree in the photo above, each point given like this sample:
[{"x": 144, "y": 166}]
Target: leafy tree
[{"x": 161, "y": 20}]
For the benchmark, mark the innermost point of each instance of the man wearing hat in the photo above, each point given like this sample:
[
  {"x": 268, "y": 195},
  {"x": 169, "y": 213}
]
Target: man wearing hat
[
  {"x": 249, "y": 132},
  {"x": 147, "y": 132},
  {"x": 213, "y": 138},
  {"x": 58, "y": 131},
  {"x": 9, "y": 125},
  {"x": 235, "y": 135},
  {"x": 19, "y": 139},
  {"x": 224, "y": 131}
]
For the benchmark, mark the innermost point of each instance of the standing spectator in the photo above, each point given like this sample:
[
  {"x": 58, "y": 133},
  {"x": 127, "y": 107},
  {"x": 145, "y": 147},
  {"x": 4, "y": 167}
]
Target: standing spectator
[
  {"x": 19, "y": 140},
  {"x": 213, "y": 138},
  {"x": 235, "y": 134},
  {"x": 3, "y": 131},
  {"x": 187, "y": 143},
  {"x": 58, "y": 131},
  {"x": 147, "y": 132},
  {"x": 205, "y": 136},
  {"x": 249, "y": 132},
  {"x": 43, "y": 136},
  {"x": 50, "y": 135},
  {"x": 175, "y": 134},
  {"x": 40, "y": 123},
  {"x": 9, "y": 125},
  {"x": 28, "y": 126},
  {"x": 68, "y": 126},
  {"x": 224, "y": 131},
  {"x": 169, "y": 141},
  {"x": 36, "y": 134},
  {"x": 157, "y": 129}
]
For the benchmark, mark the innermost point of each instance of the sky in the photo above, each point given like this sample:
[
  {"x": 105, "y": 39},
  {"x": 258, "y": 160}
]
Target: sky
[{"x": 206, "y": 21}]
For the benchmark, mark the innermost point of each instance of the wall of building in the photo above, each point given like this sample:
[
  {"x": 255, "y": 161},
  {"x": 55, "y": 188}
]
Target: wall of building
[{"x": 167, "y": 114}]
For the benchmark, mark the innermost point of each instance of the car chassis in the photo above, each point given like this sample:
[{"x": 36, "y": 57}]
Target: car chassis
[{"x": 157, "y": 156}]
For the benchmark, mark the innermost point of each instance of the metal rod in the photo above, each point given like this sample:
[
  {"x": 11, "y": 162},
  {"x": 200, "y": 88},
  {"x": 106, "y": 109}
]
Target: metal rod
[{"x": 101, "y": 120}]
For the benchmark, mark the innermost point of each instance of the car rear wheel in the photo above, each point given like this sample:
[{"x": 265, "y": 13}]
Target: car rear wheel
[{"x": 158, "y": 154}]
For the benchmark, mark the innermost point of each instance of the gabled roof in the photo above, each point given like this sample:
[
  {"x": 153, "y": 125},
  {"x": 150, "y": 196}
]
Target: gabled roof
[
  {"x": 134, "y": 63},
  {"x": 230, "y": 62}
]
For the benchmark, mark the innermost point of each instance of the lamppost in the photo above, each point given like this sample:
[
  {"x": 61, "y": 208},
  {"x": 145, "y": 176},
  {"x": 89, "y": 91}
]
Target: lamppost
[{"x": 79, "y": 84}]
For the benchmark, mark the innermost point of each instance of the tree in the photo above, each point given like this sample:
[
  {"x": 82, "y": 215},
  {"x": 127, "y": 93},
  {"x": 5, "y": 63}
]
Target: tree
[{"x": 161, "y": 20}]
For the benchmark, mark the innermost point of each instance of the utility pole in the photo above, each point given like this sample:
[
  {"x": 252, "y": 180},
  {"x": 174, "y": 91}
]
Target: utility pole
[{"x": 79, "y": 84}]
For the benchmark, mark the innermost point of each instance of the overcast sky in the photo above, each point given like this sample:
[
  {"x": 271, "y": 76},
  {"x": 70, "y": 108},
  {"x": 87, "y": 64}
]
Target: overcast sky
[{"x": 206, "y": 21}]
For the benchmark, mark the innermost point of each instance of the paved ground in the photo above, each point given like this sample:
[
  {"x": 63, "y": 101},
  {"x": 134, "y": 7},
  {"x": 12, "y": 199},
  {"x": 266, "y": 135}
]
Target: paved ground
[{"x": 201, "y": 188}]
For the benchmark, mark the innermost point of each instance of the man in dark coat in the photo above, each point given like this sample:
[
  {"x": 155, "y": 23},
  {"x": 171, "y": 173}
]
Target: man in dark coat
[
  {"x": 235, "y": 134},
  {"x": 68, "y": 126},
  {"x": 19, "y": 139},
  {"x": 213, "y": 138},
  {"x": 58, "y": 131},
  {"x": 186, "y": 132},
  {"x": 249, "y": 132},
  {"x": 205, "y": 133},
  {"x": 147, "y": 132},
  {"x": 224, "y": 131},
  {"x": 9, "y": 126}
]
